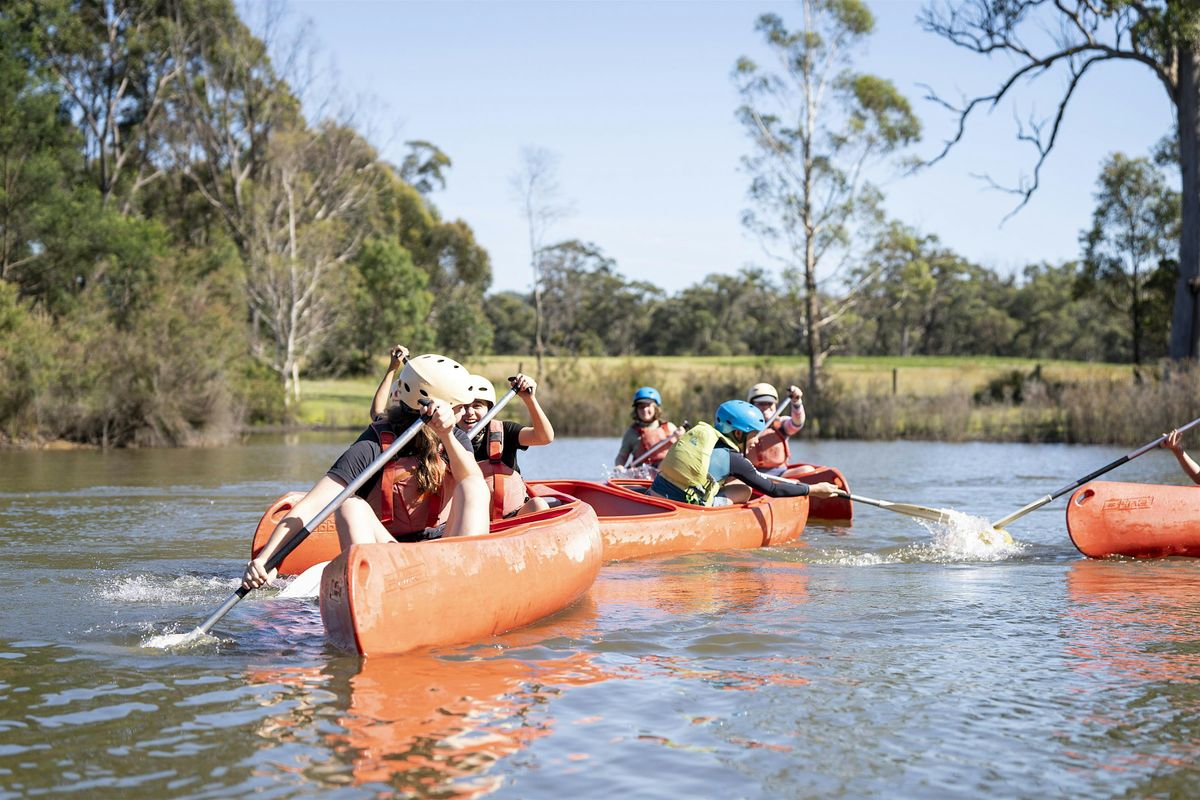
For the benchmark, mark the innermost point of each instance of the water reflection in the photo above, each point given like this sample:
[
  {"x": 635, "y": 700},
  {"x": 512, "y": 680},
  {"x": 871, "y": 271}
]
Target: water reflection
[
  {"x": 436, "y": 722},
  {"x": 1135, "y": 621},
  {"x": 1133, "y": 633}
]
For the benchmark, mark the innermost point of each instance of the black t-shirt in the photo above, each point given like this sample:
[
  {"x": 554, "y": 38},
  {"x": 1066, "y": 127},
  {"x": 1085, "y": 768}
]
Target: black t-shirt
[
  {"x": 512, "y": 443},
  {"x": 366, "y": 449}
]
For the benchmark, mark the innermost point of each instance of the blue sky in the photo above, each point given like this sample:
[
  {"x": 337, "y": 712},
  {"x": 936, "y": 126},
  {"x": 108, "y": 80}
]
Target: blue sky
[{"x": 636, "y": 100}]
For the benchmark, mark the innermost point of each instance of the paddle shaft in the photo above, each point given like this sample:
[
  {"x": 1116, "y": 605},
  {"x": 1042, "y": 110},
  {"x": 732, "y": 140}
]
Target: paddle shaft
[
  {"x": 1130, "y": 456},
  {"x": 299, "y": 536},
  {"x": 492, "y": 412},
  {"x": 908, "y": 509},
  {"x": 675, "y": 434}
]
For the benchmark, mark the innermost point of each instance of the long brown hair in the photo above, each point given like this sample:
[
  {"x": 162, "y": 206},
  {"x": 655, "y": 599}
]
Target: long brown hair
[{"x": 431, "y": 468}]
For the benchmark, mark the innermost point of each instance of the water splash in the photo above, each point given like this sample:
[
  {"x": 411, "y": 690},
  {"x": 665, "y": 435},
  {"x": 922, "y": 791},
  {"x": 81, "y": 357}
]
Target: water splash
[
  {"x": 188, "y": 640},
  {"x": 199, "y": 589},
  {"x": 159, "y": 590},
  {"x": 965, "y": 537},
  {"x": 961, "y": 538}
]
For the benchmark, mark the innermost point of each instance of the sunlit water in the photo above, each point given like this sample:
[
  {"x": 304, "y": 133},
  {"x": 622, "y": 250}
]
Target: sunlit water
[{"x": 888, "y": 659}]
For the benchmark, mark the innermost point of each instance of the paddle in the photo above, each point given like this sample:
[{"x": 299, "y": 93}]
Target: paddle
[
  {"x": 1041, "y": 501},
  {"x": 308, "y": 583},
  {"x": 492, "y": 412},
  {"x": 779, "y": 412},
  {"x": 299, "y": 536},
  {"x": 938, "y": 515},
  {"x": 675, "y": 434},
  {"x": 908, "y": 509}
]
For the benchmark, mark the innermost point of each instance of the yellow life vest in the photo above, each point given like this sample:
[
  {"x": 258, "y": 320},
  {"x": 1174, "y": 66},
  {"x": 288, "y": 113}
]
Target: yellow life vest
[{"x": 686, "y": 464}]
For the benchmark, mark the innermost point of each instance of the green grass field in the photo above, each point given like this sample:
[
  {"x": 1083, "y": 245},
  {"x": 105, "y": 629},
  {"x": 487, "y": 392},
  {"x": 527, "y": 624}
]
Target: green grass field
[{"x": 345, "y": 402}]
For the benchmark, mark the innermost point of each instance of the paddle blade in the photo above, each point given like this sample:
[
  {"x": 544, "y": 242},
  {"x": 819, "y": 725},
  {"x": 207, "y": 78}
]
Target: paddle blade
[{"x": 307, "y": 583}]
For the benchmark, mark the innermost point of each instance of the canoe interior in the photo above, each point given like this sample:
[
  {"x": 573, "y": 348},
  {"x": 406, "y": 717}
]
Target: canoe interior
[{"x": 606, "y": 501}]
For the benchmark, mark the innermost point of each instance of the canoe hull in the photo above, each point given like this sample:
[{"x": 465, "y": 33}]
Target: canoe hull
[
  {"x": 824, "y": 509},
  {"x": 320, "y": 546},
  {"x": 1135, "y": 519},
  {"x": 633, "y": 525},
  {"x": 382, "y": 599}
]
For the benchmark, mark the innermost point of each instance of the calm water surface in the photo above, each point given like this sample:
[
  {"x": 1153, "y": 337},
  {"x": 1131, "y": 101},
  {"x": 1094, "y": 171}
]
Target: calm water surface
[{"x": 880, "y": 660}]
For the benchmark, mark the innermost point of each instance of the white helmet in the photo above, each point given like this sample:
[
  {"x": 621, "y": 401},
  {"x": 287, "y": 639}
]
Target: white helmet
[
  {"x": 482, "y": 389},
  {"x": 760, "y": 391},
  {"x": 434, "y": 377}
]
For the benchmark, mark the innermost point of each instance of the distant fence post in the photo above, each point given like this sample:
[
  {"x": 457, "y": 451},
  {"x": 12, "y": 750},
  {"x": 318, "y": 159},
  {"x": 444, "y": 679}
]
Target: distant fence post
[{"x": 895, "y": 379}]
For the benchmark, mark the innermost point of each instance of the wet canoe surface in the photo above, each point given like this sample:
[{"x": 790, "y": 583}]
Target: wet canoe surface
[
  {"x": 1135, "y": 519},
  {"x": 383, "y": 599},
  {"x": 824, "y": 509},
  {"x": 763, "y": 522}
]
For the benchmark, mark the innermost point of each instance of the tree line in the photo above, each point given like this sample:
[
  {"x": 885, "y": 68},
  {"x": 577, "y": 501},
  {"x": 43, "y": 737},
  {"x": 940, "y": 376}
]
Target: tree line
[
  {"x": 190, "y": 223},
  {"x": 186, "y": 226}
]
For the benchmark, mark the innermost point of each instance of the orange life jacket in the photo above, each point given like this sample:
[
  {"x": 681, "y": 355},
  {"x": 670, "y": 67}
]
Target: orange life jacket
[
  {"x": 648, "y": 437},
  {"x": 508, "y": 489},
  {"x": 770, "y": 448},
  {"x": 397, "y": 499}
]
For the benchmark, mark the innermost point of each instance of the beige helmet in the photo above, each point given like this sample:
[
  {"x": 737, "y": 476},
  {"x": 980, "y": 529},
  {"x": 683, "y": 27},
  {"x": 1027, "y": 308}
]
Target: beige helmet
[
  {"x": 762, "y": 390},
  {"x": 434, "y": 377},
  {"x": 482, "y": 389}
]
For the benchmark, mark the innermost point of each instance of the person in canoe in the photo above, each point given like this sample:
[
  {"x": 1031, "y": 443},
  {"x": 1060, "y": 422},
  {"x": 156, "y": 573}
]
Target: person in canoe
[
  {"x": 1174, "y": 443},
  {"x": 433, "y": 488},
  {"x": 707, "y": 466},
  {"x": 387, "y": 394},
  {"x": 648, "y": 429},
  {"x": 768, "y": 450},
  {"x": 496, "y": 445}
]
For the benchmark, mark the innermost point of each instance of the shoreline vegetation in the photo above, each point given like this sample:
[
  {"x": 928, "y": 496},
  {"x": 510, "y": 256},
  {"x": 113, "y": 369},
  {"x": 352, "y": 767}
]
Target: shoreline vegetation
[
  {"x": 934, "y": 398},
  {"x": 951, "y": 399}
]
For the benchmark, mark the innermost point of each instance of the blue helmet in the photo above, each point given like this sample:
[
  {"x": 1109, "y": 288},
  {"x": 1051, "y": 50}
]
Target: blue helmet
[
  {"x": 738, "y": 415},
  {"x": 647, "y": 393}
]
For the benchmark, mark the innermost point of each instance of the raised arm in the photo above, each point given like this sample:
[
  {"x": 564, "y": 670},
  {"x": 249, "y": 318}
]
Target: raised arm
[
  {"x": 541, "y": 432},
  {"x": 379, "y": 403},
  {"x": 1174, "y": 443},
  {"x": 792, "y": 424}
]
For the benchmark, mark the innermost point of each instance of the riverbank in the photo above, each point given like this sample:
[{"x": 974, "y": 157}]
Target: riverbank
[
  {"x": 934, "y": 398},
  {"x": 922, "y": 398}
]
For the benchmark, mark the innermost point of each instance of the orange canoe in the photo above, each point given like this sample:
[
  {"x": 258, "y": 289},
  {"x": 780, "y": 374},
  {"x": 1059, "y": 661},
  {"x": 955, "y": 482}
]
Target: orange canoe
[
  {"x": 1135, "y": 519},
  {"x": 379, "y": 599},
  {"x": 634, "y": 525},
  {"x": 320, "y": 546},
  {"x": 824, "y": 509}
]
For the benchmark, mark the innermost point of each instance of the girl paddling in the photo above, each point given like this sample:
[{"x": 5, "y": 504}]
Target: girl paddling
[
  {"x": 433, "y": 488},
  {"x": 707, "y": 466},
  {"x": 768, "y": 451},
  {"x": 496, "y": 446},
  {"x": 648, "y": 429}
]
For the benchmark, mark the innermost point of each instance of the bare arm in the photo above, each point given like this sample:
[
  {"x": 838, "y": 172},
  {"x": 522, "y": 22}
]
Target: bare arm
[
  {"x": 1175, "y": 445},
  {"x": 542, "y": 431},
  {"x": 308, "y": 507},
  {"x": 793, "y": 423},
  {"x": 628, "y": 442},
  {"x": 379, "y": 404},
  {"x": 470, "y": 506}
]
